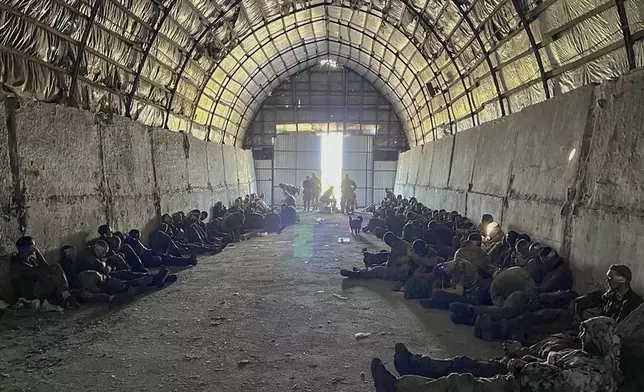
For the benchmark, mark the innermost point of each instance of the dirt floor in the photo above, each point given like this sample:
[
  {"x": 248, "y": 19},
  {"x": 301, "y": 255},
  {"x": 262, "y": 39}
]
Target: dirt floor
[{"x": 261, "y": 316}]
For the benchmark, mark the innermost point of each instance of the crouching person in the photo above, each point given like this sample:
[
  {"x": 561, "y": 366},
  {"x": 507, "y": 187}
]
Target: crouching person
[{"x": 35, "y": 278}]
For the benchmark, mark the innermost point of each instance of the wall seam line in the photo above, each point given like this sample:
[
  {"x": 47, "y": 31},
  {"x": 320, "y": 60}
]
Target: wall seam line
[
  {"x": 580, "y": 177},
  {"x": 156, "y": 195},
  {"x": 17, "y": 207},
  {"x": 106, "y": 192}
]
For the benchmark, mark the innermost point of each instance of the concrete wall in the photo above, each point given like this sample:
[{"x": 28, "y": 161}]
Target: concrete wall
[
  {"x": 72, "y": 173},
  {"x": 568, "y": 171}
]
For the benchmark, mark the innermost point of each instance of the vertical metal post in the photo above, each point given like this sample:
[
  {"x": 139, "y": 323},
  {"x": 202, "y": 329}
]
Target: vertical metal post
[
  {"x": 626, "y": 30},
  {"x": 81, "y": 52}
]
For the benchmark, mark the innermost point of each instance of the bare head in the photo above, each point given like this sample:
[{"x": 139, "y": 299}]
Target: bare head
[
  {"x": 618, "y": 277},
  {"x": 26, "y": 245}
]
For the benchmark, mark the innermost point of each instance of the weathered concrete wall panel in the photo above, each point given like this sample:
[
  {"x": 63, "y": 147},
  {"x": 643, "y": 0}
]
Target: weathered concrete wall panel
[
  {"x": 439, "y": 167},
  {"x": 548, "y": 145},
  {"x": 600, "y": 239},
  {"x": 415, "y": 162},
  {"x": 129, "y": 175},
  {"x": 479, "y": 204},
  {"x": 543, "y": 221},
  {"x": 198, "y": 166},
  {"x": 61, "y": 169},
  {"x": 9, "y": 225},
  {"x": 494, "y": 158},
  {"x": 567, "y": 171},
  {"x": 78, "y": 173},
  {"x": 465, "y": 148},
  {"x": 59, "y": 151},
  {"x": 422, "y": 172},
  {"x": 615, "y": 163},
  {"x": 169, "y": 156}
]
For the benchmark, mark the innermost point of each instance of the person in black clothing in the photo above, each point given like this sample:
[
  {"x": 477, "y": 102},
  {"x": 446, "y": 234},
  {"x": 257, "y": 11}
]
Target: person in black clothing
[
  {"x": 348, "y": 189},
  {"x": 306, "y": 192},
  {"x": 316, "y": 189},
  {"x": 35, "y": 278},
  {"x": 153, "y": 259}
]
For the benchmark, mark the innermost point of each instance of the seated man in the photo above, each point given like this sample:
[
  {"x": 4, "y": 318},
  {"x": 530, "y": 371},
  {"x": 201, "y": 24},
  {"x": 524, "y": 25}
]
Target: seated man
[
  {"x": 509, "y": 281},
  {"x": 219, "y": 210},
  {"x": 486, "y": 219},
  {"x": 550, "y": 271},
  {"x": 495, "y": 238},
  {"x": 511, "y": 292},
  {"x": 91, "y": 258},
  {"x": 233, "y": 225},
  {"x": 253, "y": 222},
  {"x": 118, "y": 250},
  {"x": 463, "y": 285},
  {"x": 398, "y": 267},
  {"x": 499, "y": 250},
  {"x": 521, "y": 254},
  {"x": 197, "y": 238},
  {"x": 617, "y": 303},
  {"x": 472, "y": 252},
  {"x": 593, "y": 368},
  {"x": 412, "y": 230},
  {"x": 419, "y": 285},
  {"x": 153, "y": 259},
  {"x": 104, "y": 231},
  {"x": 272, "y": 222},
  {"x": 394, "y": 223},
  {"x": 373, "y": 224},
  {"x": 34, "y": 278},
  {"x": 93, "y": 286},
  {"x": 215, "y": 232}
]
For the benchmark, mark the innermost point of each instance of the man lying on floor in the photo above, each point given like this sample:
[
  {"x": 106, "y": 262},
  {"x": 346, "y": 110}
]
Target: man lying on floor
[{"x": 595, "y": 367}]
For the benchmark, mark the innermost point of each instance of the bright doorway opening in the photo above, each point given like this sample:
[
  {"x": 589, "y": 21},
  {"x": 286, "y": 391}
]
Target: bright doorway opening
[{"x": 332, "y": 162}]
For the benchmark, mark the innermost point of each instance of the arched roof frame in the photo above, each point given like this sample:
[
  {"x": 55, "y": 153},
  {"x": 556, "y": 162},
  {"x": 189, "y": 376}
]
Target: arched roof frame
[
  {"x": 153, "y": 60},
  {"x": 341, "y": 41}
]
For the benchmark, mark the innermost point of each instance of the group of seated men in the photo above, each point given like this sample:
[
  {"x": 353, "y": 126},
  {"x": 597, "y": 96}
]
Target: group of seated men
[
  {"x": 509, "y": 288},
  {"x": 113, "y": 268}
]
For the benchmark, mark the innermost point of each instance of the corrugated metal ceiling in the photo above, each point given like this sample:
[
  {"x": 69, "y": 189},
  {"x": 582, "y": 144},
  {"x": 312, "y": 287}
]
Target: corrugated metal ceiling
[{"x": 204, "y": 66}]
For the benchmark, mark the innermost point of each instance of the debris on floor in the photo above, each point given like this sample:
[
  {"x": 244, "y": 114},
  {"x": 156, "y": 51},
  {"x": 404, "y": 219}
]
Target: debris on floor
[
  {"x": 362, "y": 335},
  {"x": 338, "y": 296}
]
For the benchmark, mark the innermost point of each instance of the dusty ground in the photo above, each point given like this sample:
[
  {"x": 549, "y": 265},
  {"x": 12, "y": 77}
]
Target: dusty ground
[{"x": 268, "y": 301}]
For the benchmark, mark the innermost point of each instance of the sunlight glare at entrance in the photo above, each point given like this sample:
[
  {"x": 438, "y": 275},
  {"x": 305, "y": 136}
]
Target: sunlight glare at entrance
[{"x": 332, "y": 162}]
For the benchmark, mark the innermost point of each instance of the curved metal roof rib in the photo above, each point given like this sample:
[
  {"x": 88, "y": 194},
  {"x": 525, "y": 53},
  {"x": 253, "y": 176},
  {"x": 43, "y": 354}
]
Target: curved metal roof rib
[{"x": 205, "y": 66}]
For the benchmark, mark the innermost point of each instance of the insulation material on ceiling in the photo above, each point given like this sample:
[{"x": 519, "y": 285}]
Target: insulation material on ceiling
[{"x": 205, "y": 66}]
